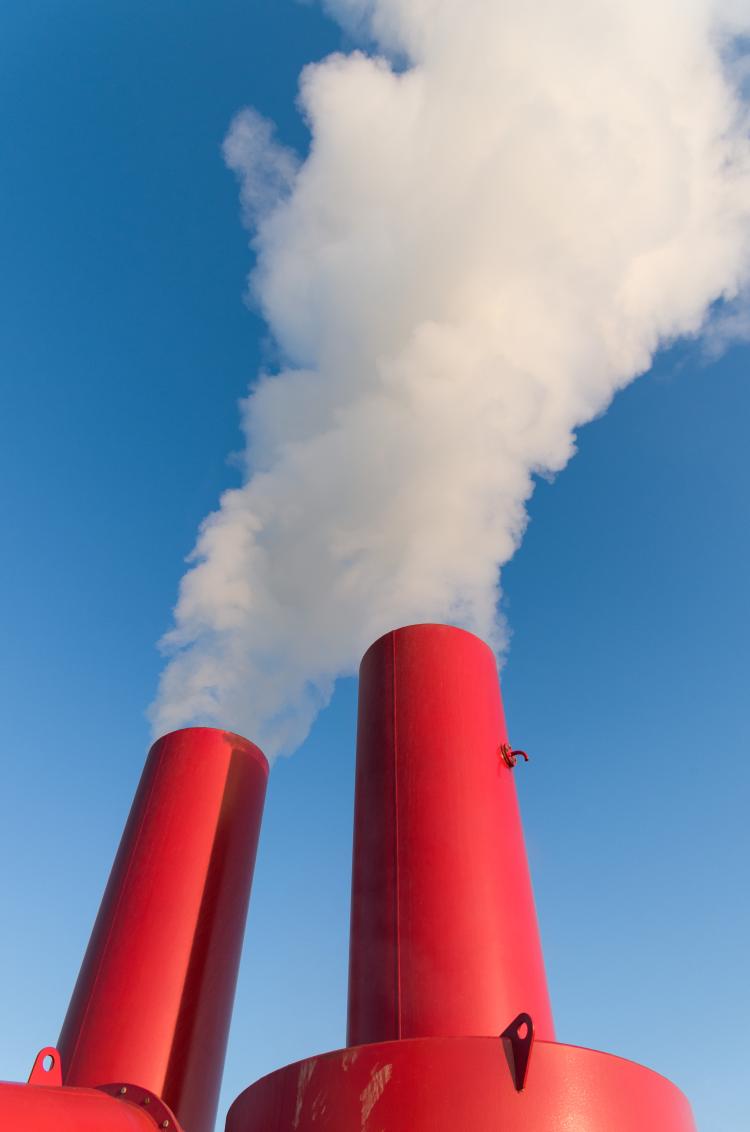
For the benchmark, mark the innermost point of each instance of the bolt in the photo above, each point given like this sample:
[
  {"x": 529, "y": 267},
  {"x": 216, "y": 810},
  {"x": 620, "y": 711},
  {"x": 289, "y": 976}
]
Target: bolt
[
  {"x": 147, "y": 1100},
  {"x": 165, "y": 1124},
  {"x": 508, "y": 755},
  {"x": 123, "y": 1090}
]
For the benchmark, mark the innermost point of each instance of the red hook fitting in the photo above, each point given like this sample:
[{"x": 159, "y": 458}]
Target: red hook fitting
[{"x": 511, "y": 757}]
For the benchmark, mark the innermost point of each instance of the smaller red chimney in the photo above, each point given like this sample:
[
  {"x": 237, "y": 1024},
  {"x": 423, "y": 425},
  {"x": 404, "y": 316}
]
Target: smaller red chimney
[{"x": 153, "y": 1001}]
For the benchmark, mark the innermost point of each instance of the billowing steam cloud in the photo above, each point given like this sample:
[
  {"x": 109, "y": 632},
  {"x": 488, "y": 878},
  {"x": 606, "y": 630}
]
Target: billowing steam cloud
[{"x": 499, "y": 220}]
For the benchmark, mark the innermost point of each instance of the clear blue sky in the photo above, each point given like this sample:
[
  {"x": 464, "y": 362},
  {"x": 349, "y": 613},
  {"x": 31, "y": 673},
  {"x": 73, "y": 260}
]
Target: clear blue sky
[{"x": 124, "y": 346}]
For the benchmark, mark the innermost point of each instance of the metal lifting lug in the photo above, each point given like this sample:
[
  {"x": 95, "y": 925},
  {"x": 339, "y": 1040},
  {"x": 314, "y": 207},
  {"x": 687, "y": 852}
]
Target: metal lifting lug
[
  {"x": 518, "y": 1039},
  {"x": 46, "y": 1069}
]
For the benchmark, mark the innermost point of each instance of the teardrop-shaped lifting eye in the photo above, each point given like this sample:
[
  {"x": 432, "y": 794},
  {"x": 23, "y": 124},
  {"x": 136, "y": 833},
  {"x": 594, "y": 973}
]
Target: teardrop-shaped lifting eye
[
  {"x": 518, "y": 1039},
  {"x": 46, "y": 1069}
]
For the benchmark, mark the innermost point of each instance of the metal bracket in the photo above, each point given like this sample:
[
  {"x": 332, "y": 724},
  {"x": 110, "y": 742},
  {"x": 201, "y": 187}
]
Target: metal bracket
[
  {"x": 518, "y": 1039},
  {"x": 153, "y": 1106},
  {"x": 46, "y": 1069}
]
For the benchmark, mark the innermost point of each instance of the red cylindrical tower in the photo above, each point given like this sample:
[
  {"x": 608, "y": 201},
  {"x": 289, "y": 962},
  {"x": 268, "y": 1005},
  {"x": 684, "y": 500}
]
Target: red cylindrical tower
[
  {"x": 444, "y": 937},
  {"x": 447, "y": 994},
  {"x": 153, "y": 1000}
]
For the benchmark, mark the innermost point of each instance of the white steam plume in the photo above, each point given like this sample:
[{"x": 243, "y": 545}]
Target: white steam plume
[{"x": 488, "y": 238}]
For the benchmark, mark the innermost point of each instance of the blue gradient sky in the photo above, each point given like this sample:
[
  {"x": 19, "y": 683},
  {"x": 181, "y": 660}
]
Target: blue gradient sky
[{"x": 124, "y": 346}]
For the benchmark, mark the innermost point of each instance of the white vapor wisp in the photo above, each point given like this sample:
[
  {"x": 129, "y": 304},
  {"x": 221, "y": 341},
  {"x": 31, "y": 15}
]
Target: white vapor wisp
[{"x": 500, "y": 219}]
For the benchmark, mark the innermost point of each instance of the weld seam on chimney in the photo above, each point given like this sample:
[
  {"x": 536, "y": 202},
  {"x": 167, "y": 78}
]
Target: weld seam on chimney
[{"x": 397, "y": 884}]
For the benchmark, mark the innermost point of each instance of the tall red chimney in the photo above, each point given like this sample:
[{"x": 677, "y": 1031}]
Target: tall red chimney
[
  {"x": 449, "y": 1020},
  {"x": 444, "y": 938}
]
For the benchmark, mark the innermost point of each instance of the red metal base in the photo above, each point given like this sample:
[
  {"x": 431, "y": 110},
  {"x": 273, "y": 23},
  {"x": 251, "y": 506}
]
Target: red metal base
[
  {"x": 44, "y": 1108},
  {"x": 448, "y": 1084},
  {"x": 44, "y": 1104}
]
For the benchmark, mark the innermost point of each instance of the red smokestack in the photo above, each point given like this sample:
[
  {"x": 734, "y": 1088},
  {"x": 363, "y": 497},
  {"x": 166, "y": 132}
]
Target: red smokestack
[
  {"x": 149, "y": 1017},
  {"x": 153, "y": 1001},
  {"x": 445, "y": 948},
  {"x": 444, "y": 938}
]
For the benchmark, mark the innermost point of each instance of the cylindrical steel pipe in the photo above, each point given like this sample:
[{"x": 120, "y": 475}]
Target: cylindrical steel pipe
[
  {"x": 444, "y": 936},
  {"x": 153, "y": 1001}
]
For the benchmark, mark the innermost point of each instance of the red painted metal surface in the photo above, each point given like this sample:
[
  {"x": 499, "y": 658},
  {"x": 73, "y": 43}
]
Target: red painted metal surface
[
  {"x": 39, "y": 1108},
  {"x": 444, "y": 951},
  {"x": 445, "y": 946},
  {"x": 444, "y": 937},
  {"x": 153, "y": 1000},
  {"x": 46, "y": 1069},
  {"x": 445, "y": 1084}
]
